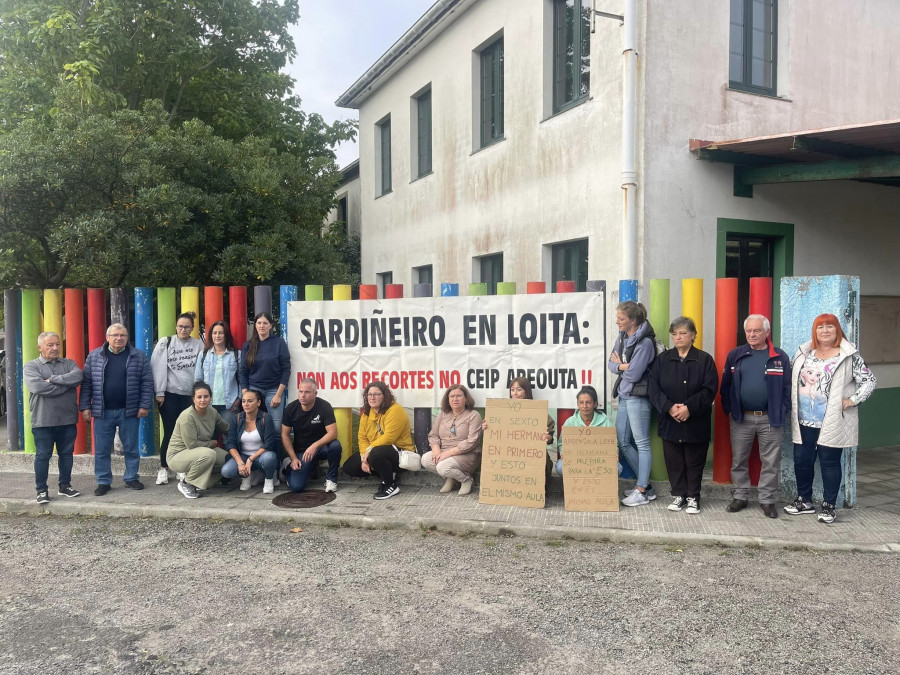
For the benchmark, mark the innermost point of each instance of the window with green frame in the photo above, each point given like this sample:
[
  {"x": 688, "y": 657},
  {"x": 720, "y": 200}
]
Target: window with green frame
[
  {"x": 569, "y": 262},
  {"x": 492, "y": 93},
  {"x": 571, "y": 52},
  {"x": 491, "y": 271}
]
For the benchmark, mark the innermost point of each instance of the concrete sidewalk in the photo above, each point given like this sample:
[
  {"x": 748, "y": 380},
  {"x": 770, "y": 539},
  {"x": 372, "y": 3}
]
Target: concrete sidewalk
[{"x": 420, "y": 506}]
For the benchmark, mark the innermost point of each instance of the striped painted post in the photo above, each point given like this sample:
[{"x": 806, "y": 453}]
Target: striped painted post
[
  {"x": 286, "y": 294},
  {"x": 478, "y": 289},
  {"x": 237, "y": 314},
  {"x": 262, "y": 300},
  {"x": 74, "y": 321},
  {"x": 628, "y": 290},
  {"x": 726, "y": 340},
  {"x": 143, "y": 340},
  {"x": 31, "y": 328},
  {"x": 344, "y": 416},
  {"x": 190, "y": 302},
  {"x": 421, "y": 416},
  {"x": 692, "y": 305},
  {"x": 506, "y": 288},
  {"x": 659, "y": 319},
  {"x": 213, "y": 306},
  {"x": 449, "y": 290},
  {"x": 368, "y": 291},
  {"x": 13, "y": 315},
  {"x": 118, "y": 307}
]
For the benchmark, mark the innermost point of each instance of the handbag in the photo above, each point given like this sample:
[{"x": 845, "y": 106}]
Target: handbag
[{"x": 409, "y": 460}]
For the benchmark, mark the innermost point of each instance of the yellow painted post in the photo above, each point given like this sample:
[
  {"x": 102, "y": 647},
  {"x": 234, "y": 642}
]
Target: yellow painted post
[
  {"x": 344, "y": 416},
  {"x": 692, "y": 305},
  {"x": 53, "y": 299},
  {"x": 190, "y": 302}
]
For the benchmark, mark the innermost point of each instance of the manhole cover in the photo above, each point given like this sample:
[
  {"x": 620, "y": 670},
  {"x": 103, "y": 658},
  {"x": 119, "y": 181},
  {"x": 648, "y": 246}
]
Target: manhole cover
[{"x": 303, "y": 500}]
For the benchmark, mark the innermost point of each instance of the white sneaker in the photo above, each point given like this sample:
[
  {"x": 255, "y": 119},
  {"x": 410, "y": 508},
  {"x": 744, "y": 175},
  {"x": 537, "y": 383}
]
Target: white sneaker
[
  {"x": 245, "y": 483},
  {"x": 180, "y": 476},
  {"x": 162, "y": 477},
  {"x": 330, "y": 486},
  {"x": 269, "y": 486},
  {"x": 636, "y": 498}
]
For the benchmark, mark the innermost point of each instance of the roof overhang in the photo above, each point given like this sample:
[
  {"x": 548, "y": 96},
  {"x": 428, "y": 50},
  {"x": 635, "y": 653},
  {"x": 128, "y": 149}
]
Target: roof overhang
[
  {"x": 441, "y": 14},
  {"x": 861, "y": 152}
]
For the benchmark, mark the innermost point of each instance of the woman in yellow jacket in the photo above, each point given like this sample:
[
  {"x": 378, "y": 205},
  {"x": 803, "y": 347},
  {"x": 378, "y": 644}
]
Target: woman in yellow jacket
[{"x": 383, "y": 431}]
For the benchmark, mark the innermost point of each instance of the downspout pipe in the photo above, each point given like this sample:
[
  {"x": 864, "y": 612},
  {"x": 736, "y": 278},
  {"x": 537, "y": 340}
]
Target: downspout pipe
[{"x": 628, "y": 286}]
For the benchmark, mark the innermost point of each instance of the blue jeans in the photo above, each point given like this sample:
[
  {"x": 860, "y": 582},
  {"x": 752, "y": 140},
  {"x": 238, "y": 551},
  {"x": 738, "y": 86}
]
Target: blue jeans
[
  {"x": 804, "y": 466},
  {"x": 104, "y": 436},
  {"x": 276, "y": 413},
  {"x": 298, "y": 479},
  {"x": 63, "y": 437},
  {"x": 266, "y": 462},
  {"x": 633, "y": 434}
]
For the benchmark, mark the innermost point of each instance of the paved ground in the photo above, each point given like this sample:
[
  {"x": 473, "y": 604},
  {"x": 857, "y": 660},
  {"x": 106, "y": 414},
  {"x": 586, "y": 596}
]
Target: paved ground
[{"x": 92, "y": 595}]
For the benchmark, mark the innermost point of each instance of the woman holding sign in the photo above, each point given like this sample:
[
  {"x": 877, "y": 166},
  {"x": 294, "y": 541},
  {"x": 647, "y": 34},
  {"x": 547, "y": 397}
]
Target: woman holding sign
[
  {"x": 455, "y": 441},
  {"x": 683, "y": 384},
  {"x": 588, "y": 416},
  {"x": 383, "y": 430}
]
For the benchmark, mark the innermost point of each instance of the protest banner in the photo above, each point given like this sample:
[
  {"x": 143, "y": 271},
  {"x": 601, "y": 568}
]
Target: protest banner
[
  {"x": 420, "y": 346},
  {"x": 590, "y": 468},
  {"x": 514, "y": 453}
]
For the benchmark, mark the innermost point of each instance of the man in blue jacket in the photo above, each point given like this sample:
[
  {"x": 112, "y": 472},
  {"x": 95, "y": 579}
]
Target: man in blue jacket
[
  {"x": 756, "y": 393},
  {"x": 116, "y": 391}
]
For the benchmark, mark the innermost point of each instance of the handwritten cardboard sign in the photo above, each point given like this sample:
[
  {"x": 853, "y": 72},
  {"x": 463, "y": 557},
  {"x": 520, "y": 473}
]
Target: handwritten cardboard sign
[
  {"x": 514, "y": 453},
  {"x": 590, "y": 470}
]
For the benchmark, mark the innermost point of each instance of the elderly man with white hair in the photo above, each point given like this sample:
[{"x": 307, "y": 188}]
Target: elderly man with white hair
[
  {"x": 116, "y": 391},
  {"x": 52, "y": 384},
  {"x": 756, "y": 393}
]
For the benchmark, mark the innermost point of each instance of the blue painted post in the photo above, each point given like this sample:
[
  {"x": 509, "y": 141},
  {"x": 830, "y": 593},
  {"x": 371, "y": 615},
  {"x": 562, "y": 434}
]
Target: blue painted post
[
  {"x": 12, "y": 311},
  {"x": 286, "y": 294},
  {"x": 143, "y": 340},
  {"x": 628, "y": 290},
  {"x": 802, "y": 300},
  {"x": 449, "y": 290}
]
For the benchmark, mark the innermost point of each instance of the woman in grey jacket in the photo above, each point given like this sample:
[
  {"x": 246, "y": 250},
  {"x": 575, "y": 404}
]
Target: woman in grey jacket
[{"x": 829, "y": 380}]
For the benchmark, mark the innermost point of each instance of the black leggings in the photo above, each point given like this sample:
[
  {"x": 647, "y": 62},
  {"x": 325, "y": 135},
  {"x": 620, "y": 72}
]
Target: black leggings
[
  {"x": 384, "y": 460},
  {"x": 172, "y": 406}
]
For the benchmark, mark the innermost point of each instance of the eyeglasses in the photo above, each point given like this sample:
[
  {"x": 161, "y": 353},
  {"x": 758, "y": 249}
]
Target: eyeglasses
[
  {"x": 184, "y": 327},
  {"x": 375, "y": 394}
]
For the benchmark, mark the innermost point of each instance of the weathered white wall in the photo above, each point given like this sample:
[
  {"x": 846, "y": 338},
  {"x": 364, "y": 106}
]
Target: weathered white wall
[{"x": 550, "y": 180}]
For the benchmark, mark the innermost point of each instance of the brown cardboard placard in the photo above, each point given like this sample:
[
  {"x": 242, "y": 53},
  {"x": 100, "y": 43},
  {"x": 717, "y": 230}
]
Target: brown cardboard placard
[
  {"x": 590, "y": 468},
  {"x": 514, "y": 453}
]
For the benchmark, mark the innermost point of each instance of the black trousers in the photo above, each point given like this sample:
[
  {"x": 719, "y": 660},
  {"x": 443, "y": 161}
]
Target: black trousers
[
  {"x": 384, "y": 461},
  {"x": 172, "y": 406},
  {"x": 685, "y": 462}
]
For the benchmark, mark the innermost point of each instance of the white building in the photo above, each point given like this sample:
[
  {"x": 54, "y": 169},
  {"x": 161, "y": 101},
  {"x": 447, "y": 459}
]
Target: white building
[
  {"x": 348, "y": 210},
  {"x": 491, "y": 146}
]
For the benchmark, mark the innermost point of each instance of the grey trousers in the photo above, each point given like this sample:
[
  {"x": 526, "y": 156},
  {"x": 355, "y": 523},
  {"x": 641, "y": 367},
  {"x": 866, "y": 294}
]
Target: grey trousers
[{"x": 742, "y": 434}]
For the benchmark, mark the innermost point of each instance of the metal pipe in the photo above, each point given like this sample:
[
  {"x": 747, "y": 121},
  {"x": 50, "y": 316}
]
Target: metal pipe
[{"x": 629, "y": 176}]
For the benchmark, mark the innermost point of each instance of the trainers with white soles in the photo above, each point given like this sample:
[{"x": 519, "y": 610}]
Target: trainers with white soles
[
  {"x": 798, "y": 506},
  {"x": 677, "y": 504},
  {"x": 636, "y": 498},
  {"x": 693, "y": 505},
  {"x": 245, "y": 484},
  {"x": 330, "y": 486},
  {"x": 162, "y": 477},
  {"x": 188, "y": 490},
  {"x": 269, "y": 486}
]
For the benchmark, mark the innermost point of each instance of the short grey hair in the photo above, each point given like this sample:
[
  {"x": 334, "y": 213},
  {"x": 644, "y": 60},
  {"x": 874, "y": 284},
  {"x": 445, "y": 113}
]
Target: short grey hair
[
  {"x": 766, "y": 325},
  {"x": 43, "y": 336},
  {"x": 116, "y": 325},
  {"x": 310, "y": 380},
  {"x": 683, "y": 322}
]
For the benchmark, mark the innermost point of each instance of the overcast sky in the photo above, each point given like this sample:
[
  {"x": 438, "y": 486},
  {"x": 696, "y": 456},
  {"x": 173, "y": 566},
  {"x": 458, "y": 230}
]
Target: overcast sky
[{"x": 337, "y": 41}]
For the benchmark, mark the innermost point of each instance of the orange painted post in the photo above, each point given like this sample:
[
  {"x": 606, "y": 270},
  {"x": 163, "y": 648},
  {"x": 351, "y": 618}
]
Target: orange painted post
[
  {"x": 368, "y": 292},
  {"x": 74, "y": 322},
  {"x": 726, "y": 340},
  {"x": 237, "y": 314},
  {"x": 213, "y": 307},
  {"x": 533, "y": 287}
]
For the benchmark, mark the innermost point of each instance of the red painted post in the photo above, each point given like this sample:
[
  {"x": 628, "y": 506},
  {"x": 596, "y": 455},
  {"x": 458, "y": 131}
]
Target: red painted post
[
  {"x": 74, "y": 317},
  {"x": 213, "y": 307},
  {"x": 565, "y": 286},
  {"x": 393, "y": 291},
  {"x": 237, "y": 314},
  {"x": 368, "y": 292},
  {"x": 726, "y": 340},
  {"x": 533, "y": 287},
  {"x": 760, "y": 303}
]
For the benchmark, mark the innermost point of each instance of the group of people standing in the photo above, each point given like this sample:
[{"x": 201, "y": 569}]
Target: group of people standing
[{"x": 224, "y": 414}]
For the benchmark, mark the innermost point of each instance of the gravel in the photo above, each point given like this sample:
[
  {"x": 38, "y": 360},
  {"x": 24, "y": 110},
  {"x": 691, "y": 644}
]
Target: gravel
[{"x": 106, "y": 595}]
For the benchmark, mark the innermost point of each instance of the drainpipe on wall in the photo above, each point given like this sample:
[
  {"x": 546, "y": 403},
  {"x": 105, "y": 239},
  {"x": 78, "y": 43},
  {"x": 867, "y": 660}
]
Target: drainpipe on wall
[{"x": 628, "y": 286}]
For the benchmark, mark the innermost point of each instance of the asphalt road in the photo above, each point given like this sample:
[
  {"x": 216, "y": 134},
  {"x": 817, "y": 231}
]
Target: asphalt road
[{"x": 145, "y": 596}]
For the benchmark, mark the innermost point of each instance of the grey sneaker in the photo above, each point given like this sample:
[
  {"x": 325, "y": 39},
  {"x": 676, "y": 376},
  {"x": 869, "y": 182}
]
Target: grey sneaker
[
  {"x": 188, "y": 490},
  {"x": 43, "y": 497},
  {"x": 67, "y": 491},
  {"x": 636, "y": 498},
  {"x": 799, "y": 506},
  {"x": 826, "y": 513}
]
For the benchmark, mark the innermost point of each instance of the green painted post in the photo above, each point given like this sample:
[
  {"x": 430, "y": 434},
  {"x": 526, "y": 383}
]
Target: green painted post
[
  {"x": 659, "y": 319},
  {"x": 31, "y": 328},
  {"x": 314, "y": 293},
  {"x": 478, "y": 289},
  {"x": 165, "y": 312},
  {"x": 506, "y": 288}
]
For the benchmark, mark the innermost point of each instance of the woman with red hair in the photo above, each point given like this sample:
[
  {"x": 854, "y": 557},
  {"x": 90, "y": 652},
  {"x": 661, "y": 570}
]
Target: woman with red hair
[{"x": 829, "y": 380}]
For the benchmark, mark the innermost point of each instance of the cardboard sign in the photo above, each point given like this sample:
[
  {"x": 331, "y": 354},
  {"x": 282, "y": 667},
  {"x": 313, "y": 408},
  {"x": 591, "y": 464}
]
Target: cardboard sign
[
  {"x": 514, "y": 453},
  {"x": 590, "y": 470}
]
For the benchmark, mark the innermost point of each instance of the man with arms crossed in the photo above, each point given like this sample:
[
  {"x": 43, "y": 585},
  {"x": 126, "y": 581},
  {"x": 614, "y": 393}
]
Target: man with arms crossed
[{"x": 315, "y": 438}]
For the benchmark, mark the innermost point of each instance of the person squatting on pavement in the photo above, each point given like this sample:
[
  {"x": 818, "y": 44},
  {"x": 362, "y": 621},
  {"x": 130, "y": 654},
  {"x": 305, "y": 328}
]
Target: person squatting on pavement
[
  {"x": 193, "y": 450},
  {"x": 251, "y": 436},
  {"x": 455, "y": 441},
  {"x": 117, "y": 390},
  {"x": 52, "y": 385},
  {"x": 756, "y": 393},
  {"x": 312, "y": 421}
]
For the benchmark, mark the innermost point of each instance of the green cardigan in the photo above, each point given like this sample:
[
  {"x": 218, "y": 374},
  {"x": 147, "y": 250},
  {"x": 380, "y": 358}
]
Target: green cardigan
[{"x": 196, "y": 431}]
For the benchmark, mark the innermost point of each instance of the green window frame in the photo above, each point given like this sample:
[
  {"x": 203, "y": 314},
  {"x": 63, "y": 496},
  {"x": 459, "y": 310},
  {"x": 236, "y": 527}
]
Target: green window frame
[
  {"x": 571, "y": 53},
  {"x": 491, "y": 271},
  {"x": 569, "y": 262},
  {"x": 753, "y": 46},
  {"x": 423, "y": 133},
  {"x": 492, "y": 93}
]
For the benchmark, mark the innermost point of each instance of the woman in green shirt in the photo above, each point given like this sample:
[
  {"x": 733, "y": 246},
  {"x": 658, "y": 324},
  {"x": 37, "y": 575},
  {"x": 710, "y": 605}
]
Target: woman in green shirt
[{"x": 193, "y": 449}]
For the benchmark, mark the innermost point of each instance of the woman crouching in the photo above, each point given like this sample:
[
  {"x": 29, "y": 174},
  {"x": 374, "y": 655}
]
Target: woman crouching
[{"x": 455, "y": 441}]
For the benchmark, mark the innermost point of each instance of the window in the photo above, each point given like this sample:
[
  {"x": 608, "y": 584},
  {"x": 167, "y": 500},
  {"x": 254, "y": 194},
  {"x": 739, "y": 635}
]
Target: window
[
  {"x": 423, "y": 274},
  {"x": 422, "y": 134},
  {"x": 569, "y": 262},
  {"x": 491, "y": 75},
  {"x": 746, "y": 257},
  {"x": 383, "y": 156},
  {"x": 342, "y": 214},
  {"x": 751, "y": 58},
  {"x": 384, "y": 280},
  {"x": 490, "y": 271},
  {"x": 571, "y": 52}
]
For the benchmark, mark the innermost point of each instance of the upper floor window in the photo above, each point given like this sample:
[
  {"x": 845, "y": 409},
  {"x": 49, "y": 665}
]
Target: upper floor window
[
  {"x": 490, "y": 271},
  {"x": 491, "y": 74},
  {"x": 423, "y": 274},
  {"x": 571, "y": 52},
  {"x": 341, "y": 216},
  {"x": 423, "y": 133},
  {"x": 569, "y": 262},
  {"x": 383, "y": 156},
  {"x": 753, "y": 39}
]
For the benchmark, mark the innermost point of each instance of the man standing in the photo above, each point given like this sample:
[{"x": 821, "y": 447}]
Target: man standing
[
  {"x": 315, "y": 438},
  {"x": 52, "y": 385},
  {"x": 756, "y": 393},
  {"x": 117, "y": 390}
]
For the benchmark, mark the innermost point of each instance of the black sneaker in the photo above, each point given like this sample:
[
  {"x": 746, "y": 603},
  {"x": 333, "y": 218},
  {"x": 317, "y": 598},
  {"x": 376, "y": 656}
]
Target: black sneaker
[
  {"x": 135, "y": 484},
  {"x": 43, "y": 497},
  {"x": 387, "y": 491},
  {"x": 188, "y": 490},
  {"x": 826, "y": 513},
  {"x": 799, "y": 506},
  {"x": 101, "y": 490},
  {"x": 67, "y": 491}
]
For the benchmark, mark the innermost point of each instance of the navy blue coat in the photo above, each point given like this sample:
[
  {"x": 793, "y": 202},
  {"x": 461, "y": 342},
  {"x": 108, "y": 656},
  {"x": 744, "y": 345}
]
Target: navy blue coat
[
  {"x": 778, "y": 384},
  {"x": 138, "y": 386}
]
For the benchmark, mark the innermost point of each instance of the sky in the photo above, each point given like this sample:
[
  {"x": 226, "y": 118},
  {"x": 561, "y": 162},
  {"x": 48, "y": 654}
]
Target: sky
[{"x": 337, "y": 41}]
